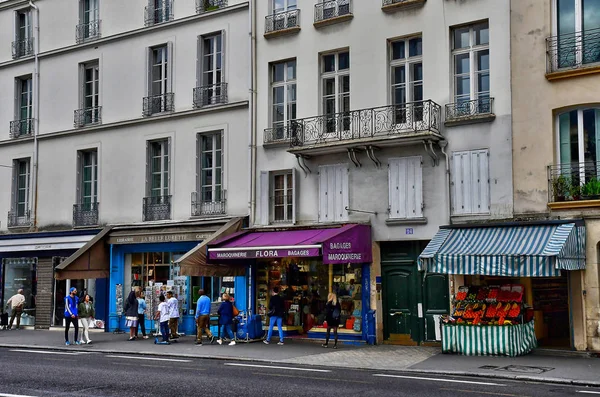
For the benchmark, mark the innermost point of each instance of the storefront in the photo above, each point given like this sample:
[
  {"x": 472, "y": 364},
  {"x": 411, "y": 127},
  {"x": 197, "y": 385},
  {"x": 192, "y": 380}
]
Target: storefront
[
  {"x": 306, "y": 265},
  {"x": 509, "y": 285}
]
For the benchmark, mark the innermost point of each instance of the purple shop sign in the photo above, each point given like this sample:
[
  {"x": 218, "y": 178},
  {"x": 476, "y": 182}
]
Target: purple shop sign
[
  {"x": 264, "y": 253},
  {"x": 351, "y": 246}
]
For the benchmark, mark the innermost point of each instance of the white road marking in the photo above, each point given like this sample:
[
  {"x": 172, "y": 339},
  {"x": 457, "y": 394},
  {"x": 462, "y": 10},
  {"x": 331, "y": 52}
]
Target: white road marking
[
  {"x": 151, "y": 358},
  {"x": 47, "y": 352},
  {"x": 276, "y": 367},
  {"x": 440, "y": 380},
  {"x": 588, "y": 392},
  {"x": 13, "y": 395}
]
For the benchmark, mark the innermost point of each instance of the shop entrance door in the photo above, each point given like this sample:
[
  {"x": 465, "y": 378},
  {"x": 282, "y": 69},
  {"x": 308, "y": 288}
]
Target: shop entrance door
[{"x": 400, "y": 321}]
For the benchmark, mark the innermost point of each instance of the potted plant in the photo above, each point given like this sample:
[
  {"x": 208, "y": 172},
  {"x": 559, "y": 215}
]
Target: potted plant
[
  {"x": 575, "y": 191},
  {"x": 560, "y": 187},
  {"x": 591, "y": 189}
]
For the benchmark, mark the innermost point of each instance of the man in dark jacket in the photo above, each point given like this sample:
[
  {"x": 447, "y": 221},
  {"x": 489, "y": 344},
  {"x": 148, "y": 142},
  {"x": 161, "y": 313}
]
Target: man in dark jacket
[{"x": 276, "y": 313}]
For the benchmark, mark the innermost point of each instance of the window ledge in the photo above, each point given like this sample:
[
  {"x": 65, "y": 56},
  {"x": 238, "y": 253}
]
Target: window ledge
[
  {"x": 564, "y": 74},
  {"x": 407, "y": 221},
  {"x": 567, "y": 205},
  {"x": 474, "y": 119},
  {"x": 332, "y": 21},
  {"x": 402, "y": 5},
  {"x": 282, "y": 32},
  {"x": 278, "y": 143}
]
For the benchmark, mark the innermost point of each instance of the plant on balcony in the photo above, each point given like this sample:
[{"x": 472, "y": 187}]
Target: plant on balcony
[
  {"x": 591, "y": 189},
  {"x": 561, "y": 187},
  {"x": 210, "y": 6}
]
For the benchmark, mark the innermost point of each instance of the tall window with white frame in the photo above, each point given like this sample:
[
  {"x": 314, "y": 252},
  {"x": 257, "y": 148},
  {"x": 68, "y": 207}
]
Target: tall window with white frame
[
  {"x": 23, "y": 124},
  {"x": 213, "y": 89},
  {"x": 406, "y": 69},
  {"x": 85, "y": 212},
  {"x": 210, "y": 181},
  {"x": 158, "y": 205},
  {"x": 23, "y": 44},
  {"x": 89, "y": 20},
  {"x": 577, "y": 26},
  {"x": 159, "y": 11},
  {"x": 471, "y": 66},
  {"x": 19, "y": 216},
  {"x": 284, "y": 14},
  {"x": 283, "y": 97},
  {"x": 90, "y": 110},
  {"x": 160, "y": 98},
  {"x": 335, "y": 86},
  {"x": 282, "y": 197}
]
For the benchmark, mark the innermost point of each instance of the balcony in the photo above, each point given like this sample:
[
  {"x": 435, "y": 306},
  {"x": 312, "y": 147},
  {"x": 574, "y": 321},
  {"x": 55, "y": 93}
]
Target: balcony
[
  {"x": 89, "y": 116},
  {"x": 208, "y": 208},
  {"x": 87, "y": 31},
  {"x": 158, "y": 104},
  {"x": 19, "y": 219},
  {"x": 469, "y": 112},
  {"x": 22, "y": 48},
  {"x": 203, "y": 6},
  {"x": 573, "y": 54},
  {"x": 281, "y": 133},
  {"x": 85, "y": 214},
  {"x": 391, "y": 125},
  {"x": 282, "y": 23},
  {"x": 215, "y": 94},
  {"x": 574, "y": 185},
  {"x": 155, "y": 15},
  {"x": 397, "y": 5},
  {"x": 21, "y": 128},
  {"x": 156, "y": 208},
  {"x": 332, "y": 11}
]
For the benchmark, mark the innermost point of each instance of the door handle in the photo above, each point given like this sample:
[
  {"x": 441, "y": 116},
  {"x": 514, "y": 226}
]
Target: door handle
[{"x": 396, "y": 314}]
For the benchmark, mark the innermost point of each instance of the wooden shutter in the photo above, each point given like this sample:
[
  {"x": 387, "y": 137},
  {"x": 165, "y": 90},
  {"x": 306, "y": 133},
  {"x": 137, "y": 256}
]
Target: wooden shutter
[
  {"x": 564, "y": 121},
  {"x": 148, "y": 71},
  {"x": 406, "y": 187},
  {"x": 342, "y": 186},
  {"x": 415, "y": 186},
  {"x": 264, "y": 198},
  {"x": 79, "y": 178},
  {"x": 148, "y": 170},
  {"x": 460, "y": 179},
  {"x": 323, "y": 194},
  {"x": 481, "y": 181},
  {"x": 393, "y": 188},
  {"x": 295, "y": 195},
  {"x": 15, "y": 188},
  {"x": 199, "y": 58},
  {"x": 169, "y": 163},
  {"x": 170, "y": 67},
  {"x": 223, "y": 64},
  {"x": 82, "y": 85}
]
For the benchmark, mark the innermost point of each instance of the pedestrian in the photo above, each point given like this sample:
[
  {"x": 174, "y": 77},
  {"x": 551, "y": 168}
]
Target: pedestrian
[
  {"x": 276, "y": 313},
  {"x": 16, "y": 303},
  {"x": 173, "y": 304},
  {"x": 71, "y": 303},
  {"x": 226, "y": 319},
  {"x": 203, "y": 318},
  {"x": 141, "y": 298},
  {"x": 333, "y": 311},
  {"x": 86, "y": 315},
  {"x": 131, "y": 314},
  {"x": 162, "y": 315}
]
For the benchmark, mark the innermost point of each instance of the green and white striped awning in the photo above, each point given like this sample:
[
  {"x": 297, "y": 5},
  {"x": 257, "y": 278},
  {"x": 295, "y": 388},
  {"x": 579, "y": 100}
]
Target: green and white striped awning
[{"x": 512, "y": 251}]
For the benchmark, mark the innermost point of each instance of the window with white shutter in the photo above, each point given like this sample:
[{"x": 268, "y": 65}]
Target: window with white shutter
[
  {"x": 405, "y": 187},
  {"x": 470, "y": 182},
  {"x": 333, "y": 193}
]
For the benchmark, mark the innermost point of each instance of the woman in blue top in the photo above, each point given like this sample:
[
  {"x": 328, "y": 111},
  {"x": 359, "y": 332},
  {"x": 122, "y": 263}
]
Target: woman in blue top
[
  {"x": 226, "y": 319},
  {"x": 141, "y": 314}
]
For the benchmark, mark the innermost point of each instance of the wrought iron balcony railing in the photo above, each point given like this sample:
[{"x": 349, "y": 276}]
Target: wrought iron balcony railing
[
  {"x": 332, "y": 9},
  {"x": 401, "y": 120},
  {"x": 89, "y": 116},
  {"x": 155, "y": 15},
  {"x": 282, "y": 21},
  {"x": 85, "y": 214},
  {"x": 156, "y": 208},
  {"x": 394, "y": 2},
  {"x": 19, "y": 219},
  {"x": 215, "y": 94},
  {"x": 281, "y": 133},
  {"x": 573, "y": 50},
  {"x": 159, "y": 104},
  {"x": 203, "y": 6},
  {"x": 467, "y": 109},
  {"x": 208, "y": 208},
  {"x": 22, "y": 48},
  {"x": 20, "y": 128},
  {"x": 574, "y": 181},
  {"x": 87, "y": 31}
]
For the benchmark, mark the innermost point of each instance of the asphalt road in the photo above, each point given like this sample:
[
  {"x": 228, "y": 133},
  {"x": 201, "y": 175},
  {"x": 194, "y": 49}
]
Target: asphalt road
[{"x": 25, "y": 372}]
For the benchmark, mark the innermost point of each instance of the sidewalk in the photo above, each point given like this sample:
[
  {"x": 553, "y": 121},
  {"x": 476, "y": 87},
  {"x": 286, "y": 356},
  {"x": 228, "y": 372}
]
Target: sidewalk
[{"x": 575, "y": 369}]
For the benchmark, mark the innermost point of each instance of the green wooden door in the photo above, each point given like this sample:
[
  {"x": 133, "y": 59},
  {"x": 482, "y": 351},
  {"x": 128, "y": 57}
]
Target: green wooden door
[
  {"x": 400, "y": 306},
  {"x": 436, "y": 301}
]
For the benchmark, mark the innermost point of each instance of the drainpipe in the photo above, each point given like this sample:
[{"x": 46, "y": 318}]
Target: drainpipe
[
  {"x": 443, "y": 145},
  {"x": 252, "y": 112},
  {"x": 36, "y": 110}
]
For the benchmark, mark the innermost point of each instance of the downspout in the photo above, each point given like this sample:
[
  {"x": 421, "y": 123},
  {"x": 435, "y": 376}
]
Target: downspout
[
  {"x": 252, "y": 113},
  {"x": 36, "y": 110},
  {"x": 448, "y": 189}
]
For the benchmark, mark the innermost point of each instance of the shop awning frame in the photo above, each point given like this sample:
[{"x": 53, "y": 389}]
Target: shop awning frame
[
  {"x": 89, "y": 262},
  {"x": 511, "y": 251}
]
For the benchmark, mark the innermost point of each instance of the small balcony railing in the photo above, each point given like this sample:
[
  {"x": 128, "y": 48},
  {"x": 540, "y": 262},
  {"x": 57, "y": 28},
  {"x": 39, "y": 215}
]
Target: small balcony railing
[
  {"x": 155, "y": 15},
  {"x": 215, "y": 94},
  {"x": 573, "y": 50},
  {"x": 469, "y": 109},
  {"x": 19, "y": 219},
  {"x": 22, "y": 48},
  {"x": 87, "y": 31},
  {"x": 281, "y": 133},
  {"x": 332, "y": 9},
  {"x": 403, "y": 120},
  {"x": 282, "y": 21},
  {"x": 85, "y": 214},
  {"x": 89, "y": 116},
  {"x": 21, "y": 128},
  {"x": 208, "y": 208},
  {"x": 158, "y": 104},
  {"x": 574, "y": 182},
  {"x": 156, "y": 208},
  {"x": 203, "y": 6}
]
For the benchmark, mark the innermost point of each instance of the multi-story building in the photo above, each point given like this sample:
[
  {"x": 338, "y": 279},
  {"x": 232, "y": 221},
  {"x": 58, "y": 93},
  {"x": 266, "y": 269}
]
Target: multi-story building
[{"x": 127, "y": 115}]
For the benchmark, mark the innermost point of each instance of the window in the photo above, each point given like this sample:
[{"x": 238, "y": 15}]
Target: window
[
  {"x": 406, "y": 68},
  {"x": 21, "y": 182},
  {"x": 89, "y": 20},
  {"x": 284, "y": 15},
  {"x": 579, "y": 137},
  {"x": 471, "y": 63},
  {"x": 211, "y": 168},
  {"x": 212, "y": 88},
  {"x": 88, "y": 179},
  {"x": 333, "y": 193},
  {"x": 160, "y": 69},
  {"x": 90, "y": 94},
  {"x": 335, "y": 83},
  {"x": 23, "y": 44},
  {"x": 572, "y": 17},
  {"x": 471, "y": 182},
  {"x": 283, "y": 5},
  {"x": 23, "y": 123},
  {"x": 160, "y": 77},
  {"x": 405, "y": 187},
  {"x": 159, "y": 11},
  {"x": 158, "y": 170},
  {"x": 283, "y": 91},
  {"x": 277, "y": 197}
]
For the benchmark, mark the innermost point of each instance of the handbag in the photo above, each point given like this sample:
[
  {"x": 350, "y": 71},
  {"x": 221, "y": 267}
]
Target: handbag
[{"x": 236, "y": 312}]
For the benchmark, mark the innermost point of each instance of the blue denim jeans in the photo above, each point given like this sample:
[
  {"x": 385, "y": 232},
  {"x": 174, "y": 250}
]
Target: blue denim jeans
[
  {"x": 226, "y": 331},
  {"x": 164, "y": 330},
  {"x": 272, "y": 321}
]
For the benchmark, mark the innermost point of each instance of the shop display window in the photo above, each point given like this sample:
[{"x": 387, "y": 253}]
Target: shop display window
[
  {"x": 214, "y": 287},
  {"x": 20, "y": 273}
]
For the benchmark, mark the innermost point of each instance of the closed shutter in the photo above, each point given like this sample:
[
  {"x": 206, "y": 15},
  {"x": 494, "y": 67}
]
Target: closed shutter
[
  {"x": 460, "y": 181},
  {"x": 405, "y": 187},
  {"x": 17, "y": 101},
  {"x": 564, "y": 121},
  {"x": 199, "y": 58},
  {"x": 481, "y": 181},
  {"x": 79, "y": 178},
  {"x": 15, "y": 187},
  {"x": 81, "y": 88},
  {"x": 169, "y": 170},
  {"x": 333, "y": 193},
  {"x": 323, "y": 194},
  {"x": 342, "y": 176},
  {"x": 148, "y": 168},
  {"x": 471, "y": 182},
  {"x": 264, "y": 198},
  {"x": 295, "y": 195},
  {"x": 148, "y": 71},
  {"x": 170, "y": 67},
  {"x": 223, "y": 56}
]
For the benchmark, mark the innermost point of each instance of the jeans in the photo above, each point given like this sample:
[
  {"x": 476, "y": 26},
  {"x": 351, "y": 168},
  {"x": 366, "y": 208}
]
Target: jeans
[
  {"x": 164, "y": 330},
  {"x": 141, "y": 323},
  {"x": 68, "y": 321},
  {"x": 272, "y": 321},
  {"x": 226, "y": 331}
]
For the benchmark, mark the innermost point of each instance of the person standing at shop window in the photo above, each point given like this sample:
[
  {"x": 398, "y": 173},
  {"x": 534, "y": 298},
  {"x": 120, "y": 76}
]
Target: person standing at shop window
[
  {"x": 86, "y": 315},
  {"x": 131, "y": 313},
  {"x": 203, "y": 318},
  {"x": 333, "y": 311},
  {"x": 162, "y": 315},
  {"x": 16, "y": 303},
  {"x": 173, "y": 304},
  {"x": 276, "y": 313},
  {"x": 71, "y": 313},
  {"x": 141, "y": 314},
  {"x": 226, "y": 319}
]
